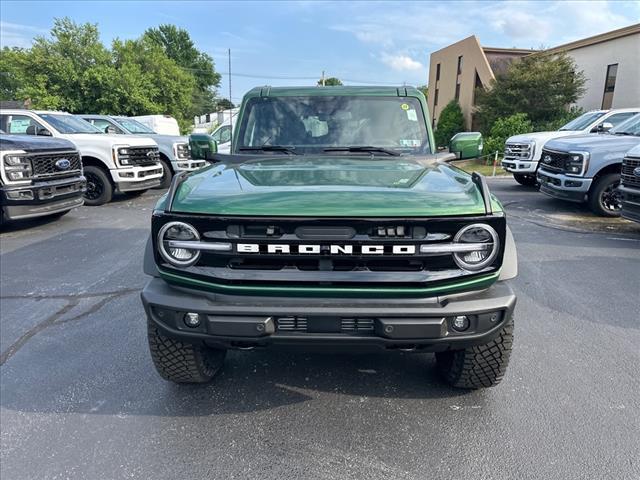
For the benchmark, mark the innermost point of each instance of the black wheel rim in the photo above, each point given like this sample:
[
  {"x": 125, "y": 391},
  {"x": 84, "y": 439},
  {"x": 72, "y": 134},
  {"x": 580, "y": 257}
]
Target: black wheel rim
[
  {"x": 611, "y": 198},
  {"x": 95, "y": 188}
]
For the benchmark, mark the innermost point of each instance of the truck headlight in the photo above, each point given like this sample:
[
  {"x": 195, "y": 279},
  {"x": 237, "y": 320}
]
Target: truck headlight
[
  {"x": 17, "y": 167},
  {"x": 123, "y": 156},
  {"x": 182, "y": 151},
  {"x": 483, "y": 244},
  {"x": 577, "y": 163},
  {"x": 178, "y": 231}
]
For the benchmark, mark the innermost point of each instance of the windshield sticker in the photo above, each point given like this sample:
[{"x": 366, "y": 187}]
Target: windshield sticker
[
  {"x": 404, "y": 142},
  {"x": 412, "y": 115},
  {"x": 405, "y": 106}
]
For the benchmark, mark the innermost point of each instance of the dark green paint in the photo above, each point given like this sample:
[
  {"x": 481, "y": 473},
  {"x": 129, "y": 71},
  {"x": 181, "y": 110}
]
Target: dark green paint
[
  {"x": 292, "y": 290},
  {"x": 322, "y": 186}
]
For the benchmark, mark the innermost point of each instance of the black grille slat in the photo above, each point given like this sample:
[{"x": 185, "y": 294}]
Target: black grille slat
[
  {"x": 554, "y": 161},
  {"x": 44, "y": 165},
  {"x": 628, "y": 178},
  {"x": 144, "y": 156}
]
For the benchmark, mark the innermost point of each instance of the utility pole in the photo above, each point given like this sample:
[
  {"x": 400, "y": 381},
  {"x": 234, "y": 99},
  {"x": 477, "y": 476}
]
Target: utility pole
[{"x": 230, "y": 101}]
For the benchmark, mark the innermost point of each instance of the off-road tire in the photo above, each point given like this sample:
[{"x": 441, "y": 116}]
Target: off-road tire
[
  {"x": 596, "y": 195},
  {"x": 99, "y": 188},
  {"x": 182, "y": 362},
  {"x": 480, "y": 366},
  {"x": 167, "y": 175},
  {"x": 526, "y": 179}
]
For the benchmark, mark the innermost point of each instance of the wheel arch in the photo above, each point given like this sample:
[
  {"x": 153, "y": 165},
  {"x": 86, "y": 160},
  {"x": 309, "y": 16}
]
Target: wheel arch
[
  {"x": 88, "y": 160},
  {"x": 166, "y": 158},
  {"x": 615, "y": 167}
]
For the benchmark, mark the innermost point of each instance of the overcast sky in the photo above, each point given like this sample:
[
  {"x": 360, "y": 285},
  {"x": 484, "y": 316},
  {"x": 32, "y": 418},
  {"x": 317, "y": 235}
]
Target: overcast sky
[{"x": 290, "y": 43}]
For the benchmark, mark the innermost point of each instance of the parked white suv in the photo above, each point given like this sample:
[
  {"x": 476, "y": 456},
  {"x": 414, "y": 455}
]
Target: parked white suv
[
  {"x": 111, "y": 162},
  {"x": 522, "y": 152}
]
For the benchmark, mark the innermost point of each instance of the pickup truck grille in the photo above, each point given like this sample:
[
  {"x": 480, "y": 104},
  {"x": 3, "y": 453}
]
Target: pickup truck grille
[
  {"x": 517, "y": 151},
  {"x": 143, "y": 156},
  {"x": 249, "y": 260},
  {"x": 628, "y": 179},
  {"x": 554, "y": 161},
  {"x": 49, "y": 165}
]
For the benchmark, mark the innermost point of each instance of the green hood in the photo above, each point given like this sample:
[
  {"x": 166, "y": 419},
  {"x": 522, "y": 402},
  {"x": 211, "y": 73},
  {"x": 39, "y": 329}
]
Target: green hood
[{"x": 330, "y": 187}]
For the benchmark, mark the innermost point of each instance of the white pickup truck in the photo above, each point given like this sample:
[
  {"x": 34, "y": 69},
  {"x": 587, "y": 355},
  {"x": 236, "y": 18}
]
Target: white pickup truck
[
  {"x": 522, "y": 152},
  {"x": 129, "y": 164}
]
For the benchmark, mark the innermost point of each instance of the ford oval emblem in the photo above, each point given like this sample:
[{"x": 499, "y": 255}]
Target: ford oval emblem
[
  {"x": 636, "y": 172},
  {"x": 547, "y": 159},
  {"x": 63, "y": 164}
]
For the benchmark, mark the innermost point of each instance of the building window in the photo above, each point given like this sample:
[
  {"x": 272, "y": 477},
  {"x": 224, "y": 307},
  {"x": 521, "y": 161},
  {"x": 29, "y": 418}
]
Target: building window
[
  {"x": 437, "y": 72},
  {"x": 609, "y": 86},
  {"x": 435, "y": 98},
  {"x": 459, "y": 64},
  {"x": 477, "y": 85},
  {"x": 457, "y": 91}
]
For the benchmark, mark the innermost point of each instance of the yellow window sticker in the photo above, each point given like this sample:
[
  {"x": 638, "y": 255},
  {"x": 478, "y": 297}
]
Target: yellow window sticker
[{"x": 405, "y": 106}]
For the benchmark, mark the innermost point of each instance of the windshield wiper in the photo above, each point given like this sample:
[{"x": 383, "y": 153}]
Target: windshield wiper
[
  {"x": 621, "y": 133},
  {"x": 270, "y": 148},
  {"x": 362, "y": 148}
]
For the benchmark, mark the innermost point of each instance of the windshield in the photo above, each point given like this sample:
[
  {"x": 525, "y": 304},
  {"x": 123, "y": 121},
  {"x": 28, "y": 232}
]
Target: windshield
[
  {"x": 133, "y": 126},
  {"x": 311, "y": 124},
  {"x": 69, "y": 124},
  {"x": 583, "y": 121},
  {"x": 629, "y": 127}
]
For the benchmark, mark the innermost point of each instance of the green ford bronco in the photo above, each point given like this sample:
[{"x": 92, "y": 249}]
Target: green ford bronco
[{"x": 332, "y": 225}]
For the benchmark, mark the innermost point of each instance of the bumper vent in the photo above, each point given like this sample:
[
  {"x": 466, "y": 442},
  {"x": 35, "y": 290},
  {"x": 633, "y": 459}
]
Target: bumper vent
[
  {"x": 357, "y": 325},
  {"x": 292, "y": 324}
]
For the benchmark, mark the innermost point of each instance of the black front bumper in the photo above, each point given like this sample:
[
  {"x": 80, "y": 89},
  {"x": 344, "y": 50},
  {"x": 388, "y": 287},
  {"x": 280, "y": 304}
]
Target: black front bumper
[
  {"x": 248, "y": 322},
  {"x": 42, "y": 198}
]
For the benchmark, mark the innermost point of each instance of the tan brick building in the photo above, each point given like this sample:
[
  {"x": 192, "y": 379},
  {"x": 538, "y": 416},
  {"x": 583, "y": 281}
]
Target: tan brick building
[
  {"x": 457, "y": 70},
  {"x": 610, "y": 62}
]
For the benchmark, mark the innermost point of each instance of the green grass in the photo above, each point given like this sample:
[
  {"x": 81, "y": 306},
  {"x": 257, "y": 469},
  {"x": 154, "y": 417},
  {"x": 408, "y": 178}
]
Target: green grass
[{"x": 480, "y": 166}]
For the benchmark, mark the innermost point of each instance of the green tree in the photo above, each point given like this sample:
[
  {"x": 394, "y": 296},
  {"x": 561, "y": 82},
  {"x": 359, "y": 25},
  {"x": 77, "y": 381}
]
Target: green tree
[
  {"x": 543, "y": 86},
  {"x": 450, "y": 122},
  {"x": 224, "y": 104},
  {"x": 330, "y": 82},
  {"x": 424, "y": 89},
  {"x": 504, "y": 128},
  {"x": 178, "y": 46}
]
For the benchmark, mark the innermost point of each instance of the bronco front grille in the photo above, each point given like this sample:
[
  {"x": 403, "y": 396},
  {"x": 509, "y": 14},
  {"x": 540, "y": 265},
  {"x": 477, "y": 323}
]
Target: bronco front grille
[
  {"x": 143, "y": 156},
  {"x": 628, "y": 178},
  {"x": 52, "y": 165},
  {"x": 339, "y": 250},
  {"x": 554, "y": 161}
]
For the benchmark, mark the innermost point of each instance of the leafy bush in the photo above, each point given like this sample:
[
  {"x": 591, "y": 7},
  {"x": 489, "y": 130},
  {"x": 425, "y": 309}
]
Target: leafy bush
[
  {"x": 572, "y": 113},
  {"x": 540, "y": 85},
  {"x": 450, "y": 122},
  {"x": 504, "y": 128}
]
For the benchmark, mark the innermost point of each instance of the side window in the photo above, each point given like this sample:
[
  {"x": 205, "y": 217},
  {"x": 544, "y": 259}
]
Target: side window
[
  {"x": 618, "y": 118},
  {"x": 225, "y": 135},
  {"x": 103, "y": 124},
  {"x": 20, "y": 124}
]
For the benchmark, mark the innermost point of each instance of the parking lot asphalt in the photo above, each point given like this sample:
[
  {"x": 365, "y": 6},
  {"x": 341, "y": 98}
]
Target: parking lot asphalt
[{"x": 80, "y": 399}]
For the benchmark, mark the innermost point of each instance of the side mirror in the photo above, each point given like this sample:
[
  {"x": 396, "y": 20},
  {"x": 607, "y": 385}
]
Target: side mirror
[
  {"x": 110, "y": 129},
  {"x": 203, "y": 146},
  {"x": 466, "y": 145},
  {"x": 603, "y": 127}
]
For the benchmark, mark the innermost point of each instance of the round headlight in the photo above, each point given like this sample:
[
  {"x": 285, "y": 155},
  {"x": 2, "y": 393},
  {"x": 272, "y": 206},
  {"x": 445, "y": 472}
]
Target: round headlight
[
  {"x": 487, "y": 244},
  {"x": 178, "y": 231}
]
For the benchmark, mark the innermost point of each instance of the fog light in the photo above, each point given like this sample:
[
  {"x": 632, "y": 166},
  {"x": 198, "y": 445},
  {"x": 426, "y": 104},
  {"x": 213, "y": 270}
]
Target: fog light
[
  {"x": 20, "y": 195},
  {"x": 191, "y": 319},
  {"x": 460, "y": 323}
]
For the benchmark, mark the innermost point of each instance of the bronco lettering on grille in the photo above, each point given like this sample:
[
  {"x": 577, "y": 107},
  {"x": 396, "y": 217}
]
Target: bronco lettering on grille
[{"x": 317, "y": 249}]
